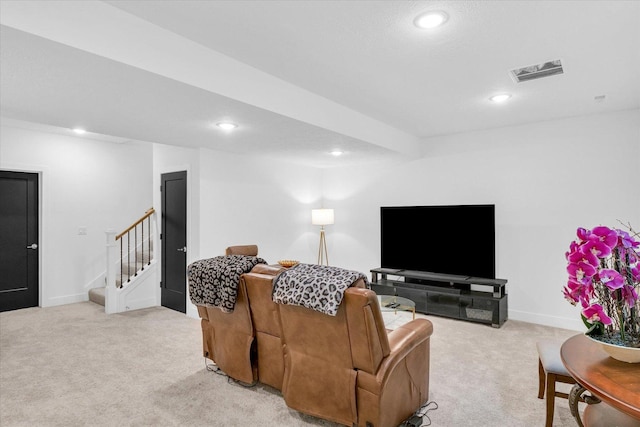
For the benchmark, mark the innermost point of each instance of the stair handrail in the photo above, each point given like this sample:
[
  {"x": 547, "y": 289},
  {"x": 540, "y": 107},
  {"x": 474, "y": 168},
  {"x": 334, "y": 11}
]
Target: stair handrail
[
  {"x": 146, "y": 234},
  {"x": 147, "y": 214},
  {"x": 126, "y": 232}
]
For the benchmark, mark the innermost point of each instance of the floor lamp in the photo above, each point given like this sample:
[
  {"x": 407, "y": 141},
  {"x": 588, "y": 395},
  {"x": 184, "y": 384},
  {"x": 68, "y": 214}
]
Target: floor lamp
[{"x": 322, "y": 217}]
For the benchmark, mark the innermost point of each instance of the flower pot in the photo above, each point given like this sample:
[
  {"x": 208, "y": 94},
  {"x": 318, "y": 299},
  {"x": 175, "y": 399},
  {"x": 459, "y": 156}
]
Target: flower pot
[{"x": 619, "y": 352}]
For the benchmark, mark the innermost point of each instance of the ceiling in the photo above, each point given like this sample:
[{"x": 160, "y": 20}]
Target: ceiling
[{"x": 301, "y": 78}]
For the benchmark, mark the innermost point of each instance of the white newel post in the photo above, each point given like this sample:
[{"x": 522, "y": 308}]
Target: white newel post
[{"x": 110, "y": 291}]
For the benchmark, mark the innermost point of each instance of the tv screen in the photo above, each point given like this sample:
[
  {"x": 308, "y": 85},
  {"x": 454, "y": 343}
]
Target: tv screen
[{"x": 457, "y": 240}]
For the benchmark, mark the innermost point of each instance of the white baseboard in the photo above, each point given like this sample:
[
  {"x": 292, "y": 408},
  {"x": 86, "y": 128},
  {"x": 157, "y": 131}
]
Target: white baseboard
[
  {"x": 65, "y": 299},
  {"x": 546, "y": 320},
  {"x": 140, "y": 303}
]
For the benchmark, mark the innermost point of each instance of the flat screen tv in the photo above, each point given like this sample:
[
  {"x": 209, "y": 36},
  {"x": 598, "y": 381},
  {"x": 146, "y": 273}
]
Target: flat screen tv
[{"x": 458, "y": 240}]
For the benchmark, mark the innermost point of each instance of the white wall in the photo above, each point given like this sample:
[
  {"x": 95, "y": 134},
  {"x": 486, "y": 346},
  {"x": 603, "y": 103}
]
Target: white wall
[
  {"x": 84, "y": 183},
  {"x": 246, "y": 200},
  {"x": 546, "y": 179},
  {"x": 235, "y": 199}
]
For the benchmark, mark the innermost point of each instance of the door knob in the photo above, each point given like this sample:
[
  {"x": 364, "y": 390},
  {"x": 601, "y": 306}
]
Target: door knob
[
  {"x": 182, "y": 249},
  {"x": 33, "y": 246}
]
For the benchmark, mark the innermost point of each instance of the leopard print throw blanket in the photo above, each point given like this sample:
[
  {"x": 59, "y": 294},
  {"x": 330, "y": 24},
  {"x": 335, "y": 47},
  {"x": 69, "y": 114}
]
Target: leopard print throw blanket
[
  {"x": 213, "y": 282},
  {"x": 317, "y": 287}
]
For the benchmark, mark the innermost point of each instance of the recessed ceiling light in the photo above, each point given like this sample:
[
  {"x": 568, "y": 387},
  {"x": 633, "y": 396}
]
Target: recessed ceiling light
[
  {"x": 79, "y": 131},
  {"x": 226, "y": 125},
  {"x": 337, "y": 153},
  {"x": 500, "y": 98},
  {"x": 431, "y": 19}
]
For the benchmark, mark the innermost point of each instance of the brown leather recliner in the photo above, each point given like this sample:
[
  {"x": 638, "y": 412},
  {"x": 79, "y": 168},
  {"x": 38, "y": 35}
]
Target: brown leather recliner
[
  {"x": 347, "y": 369},
  {"x": 245, "y": 344},
  {"x": 265, "y": 316},
  {"x": 343, "y": 368},
  {"x": 228, "y": 338},
  {"x": 269, "y": 360}
]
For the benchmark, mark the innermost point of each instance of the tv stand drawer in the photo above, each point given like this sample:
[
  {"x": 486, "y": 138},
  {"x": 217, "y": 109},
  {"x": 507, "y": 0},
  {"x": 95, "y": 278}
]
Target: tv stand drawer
[{"x": 443, "y": 304}]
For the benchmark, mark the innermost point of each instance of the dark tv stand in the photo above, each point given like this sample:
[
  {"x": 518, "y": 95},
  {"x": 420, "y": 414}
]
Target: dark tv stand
[{"x": 446, "y": 295}]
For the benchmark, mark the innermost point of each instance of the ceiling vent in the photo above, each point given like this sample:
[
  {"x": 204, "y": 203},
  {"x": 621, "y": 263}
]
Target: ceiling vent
[{"x": 533, "y": 72}]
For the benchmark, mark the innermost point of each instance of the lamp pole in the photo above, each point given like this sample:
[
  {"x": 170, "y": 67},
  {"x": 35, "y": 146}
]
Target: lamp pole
[
  {"x": 323, "y": 257},
  {"x": 322, "y": 217}
]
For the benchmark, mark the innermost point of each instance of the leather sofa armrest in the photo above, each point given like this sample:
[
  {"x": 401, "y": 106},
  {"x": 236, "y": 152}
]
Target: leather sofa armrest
[{"x": 402, "y": 341}]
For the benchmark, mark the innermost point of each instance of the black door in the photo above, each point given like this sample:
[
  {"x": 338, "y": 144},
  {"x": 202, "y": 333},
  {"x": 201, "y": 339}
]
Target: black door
[
  {"x": 174, "y": 241},
  {"x": 18, "y": 240}
]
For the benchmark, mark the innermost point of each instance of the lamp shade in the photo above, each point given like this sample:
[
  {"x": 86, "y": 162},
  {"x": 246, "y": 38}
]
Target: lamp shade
[{"x": 322, "y": 216}]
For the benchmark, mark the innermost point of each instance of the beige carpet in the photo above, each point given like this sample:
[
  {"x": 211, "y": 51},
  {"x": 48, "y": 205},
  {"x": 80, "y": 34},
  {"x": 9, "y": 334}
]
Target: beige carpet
[{"x": 75, "y": 366}]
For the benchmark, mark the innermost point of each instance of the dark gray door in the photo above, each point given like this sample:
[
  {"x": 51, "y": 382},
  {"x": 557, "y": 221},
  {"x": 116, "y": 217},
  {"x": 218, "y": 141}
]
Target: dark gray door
[
  {"x": 174, "y": 241},
  {"x": 18, "y": 240}
]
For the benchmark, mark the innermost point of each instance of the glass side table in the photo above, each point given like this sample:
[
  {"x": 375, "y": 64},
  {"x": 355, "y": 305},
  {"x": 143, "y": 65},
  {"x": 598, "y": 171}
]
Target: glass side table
[{"x": 395, "y": 303}]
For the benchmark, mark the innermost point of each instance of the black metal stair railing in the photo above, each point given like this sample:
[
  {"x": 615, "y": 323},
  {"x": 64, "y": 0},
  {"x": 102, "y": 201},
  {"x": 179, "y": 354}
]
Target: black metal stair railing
[{"x": 131, "y": 234}]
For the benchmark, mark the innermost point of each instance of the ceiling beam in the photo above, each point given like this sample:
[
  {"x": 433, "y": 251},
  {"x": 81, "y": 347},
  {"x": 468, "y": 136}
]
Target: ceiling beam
[{"x": 103, "y": 30}]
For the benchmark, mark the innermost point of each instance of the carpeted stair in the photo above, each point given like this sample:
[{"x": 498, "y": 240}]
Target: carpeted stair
[
  {"x": 97, "y": 295},
  {"x": 123, "y": 274}
]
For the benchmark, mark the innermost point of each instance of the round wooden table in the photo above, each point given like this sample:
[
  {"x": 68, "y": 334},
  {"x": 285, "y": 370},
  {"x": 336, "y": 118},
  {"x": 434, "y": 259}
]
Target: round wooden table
[{"x": 611, "y": 381}]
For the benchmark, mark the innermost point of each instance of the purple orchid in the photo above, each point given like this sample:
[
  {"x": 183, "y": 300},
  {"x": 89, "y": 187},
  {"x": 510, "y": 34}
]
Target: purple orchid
[
  {"x": 626, "y": 241},
  {"x": 583, "y": 234},
  {"x": 600, "y": 241},
  {"x": 575, "y": 292},
  {"x": 584, "y": 256},
  {"x": 610, "y": 278},
  {"x": 580, "y": 270},
  {"x": 570, "y": 295},
  {"x": 632, "y": 256},
  {"x": 603, "y": 265},
  {"x": 635, "y": 273},
  {"x": 629, "y": 295},
  {"x": 605, "y": 235},
  {"x": 597, "y": 247},
  {"x": 595, "y": 313}
]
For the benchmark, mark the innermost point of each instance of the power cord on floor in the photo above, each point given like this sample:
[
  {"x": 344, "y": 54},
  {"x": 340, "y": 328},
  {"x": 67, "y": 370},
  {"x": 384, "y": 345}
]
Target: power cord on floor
[
  {"x": 418, "y": 418},
  {"x": 240, "y": 383},
  {"x": 212, "y": 367}
]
